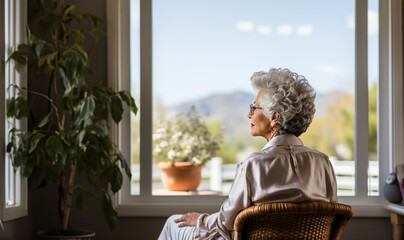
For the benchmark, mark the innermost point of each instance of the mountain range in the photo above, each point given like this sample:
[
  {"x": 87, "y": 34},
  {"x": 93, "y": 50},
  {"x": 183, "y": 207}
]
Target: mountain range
[{"x": 232, "y": 108}]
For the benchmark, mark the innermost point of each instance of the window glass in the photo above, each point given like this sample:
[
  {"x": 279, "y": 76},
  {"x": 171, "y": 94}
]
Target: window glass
[
  {"x": 204, "y": 53},
  {"x": 135, "y": 91},
  {"x": 373, "y": 79},
  {"x": 15, "y": 186}
]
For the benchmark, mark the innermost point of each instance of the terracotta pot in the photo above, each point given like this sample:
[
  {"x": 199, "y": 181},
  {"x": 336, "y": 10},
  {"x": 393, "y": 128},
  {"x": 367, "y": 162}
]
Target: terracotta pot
[
  {"x": 75, "y": 234},
  {"x": 180, "y": 176}
]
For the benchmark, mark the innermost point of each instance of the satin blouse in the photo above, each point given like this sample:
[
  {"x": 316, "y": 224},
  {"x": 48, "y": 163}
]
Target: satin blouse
[{"x": 283, "y": 171}]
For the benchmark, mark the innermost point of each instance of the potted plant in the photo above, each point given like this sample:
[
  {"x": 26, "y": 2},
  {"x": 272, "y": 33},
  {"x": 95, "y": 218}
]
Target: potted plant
[
  {"x": 71, "y": 139},
  {"x": 182, "y": 146}
]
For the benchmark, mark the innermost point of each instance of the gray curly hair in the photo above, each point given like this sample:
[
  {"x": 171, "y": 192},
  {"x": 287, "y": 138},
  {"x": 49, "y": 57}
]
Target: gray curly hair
[{"x": 290, "y": 95}]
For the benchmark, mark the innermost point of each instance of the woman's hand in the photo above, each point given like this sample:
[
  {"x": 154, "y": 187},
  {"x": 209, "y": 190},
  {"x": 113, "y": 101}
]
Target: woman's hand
[{"x": 188, "y": 219}]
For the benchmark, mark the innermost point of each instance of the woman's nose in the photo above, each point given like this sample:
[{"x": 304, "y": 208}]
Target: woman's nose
[{"x": 249, "y": 115}]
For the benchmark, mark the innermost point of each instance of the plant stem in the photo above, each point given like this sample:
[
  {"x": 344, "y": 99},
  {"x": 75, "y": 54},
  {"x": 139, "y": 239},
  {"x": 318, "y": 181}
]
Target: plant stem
[
  {"x": 61, "y": 195},
  {"x": 52, "y": 104},
  {"x": 69, "y": 196}
]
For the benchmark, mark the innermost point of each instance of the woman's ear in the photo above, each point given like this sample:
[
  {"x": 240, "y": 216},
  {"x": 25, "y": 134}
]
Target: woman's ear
[{"x": 274, "y": 118}]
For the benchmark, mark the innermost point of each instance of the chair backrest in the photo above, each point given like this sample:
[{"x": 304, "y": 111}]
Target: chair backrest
[{"x": 306, "y": 220}]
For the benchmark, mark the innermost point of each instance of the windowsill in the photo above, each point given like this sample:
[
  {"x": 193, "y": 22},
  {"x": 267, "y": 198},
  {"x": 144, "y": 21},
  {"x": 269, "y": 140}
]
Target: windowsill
[
  {"x": 12, "y": 213},
  {"x": 164, "y": 192},
  {"x": 144, "y": 209}
]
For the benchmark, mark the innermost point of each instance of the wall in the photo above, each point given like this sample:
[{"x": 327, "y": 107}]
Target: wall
[{"x": 43, "y": 208}]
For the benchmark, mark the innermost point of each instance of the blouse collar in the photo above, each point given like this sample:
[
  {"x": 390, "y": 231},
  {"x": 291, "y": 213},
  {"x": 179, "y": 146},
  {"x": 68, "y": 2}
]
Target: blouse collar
[{"x": 283, "y": 140}]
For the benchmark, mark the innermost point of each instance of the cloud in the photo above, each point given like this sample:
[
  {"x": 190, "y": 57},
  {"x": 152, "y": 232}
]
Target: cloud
[
  {"x": 264, "y": 29},
  {"x": 350, "y": 22},
  {"x": 304, "y": 30},
  {"x": 373, "y": 22},
  {"x": 329, "y": 68},
  {"x": 284, "y": 30},
  {"x": 245, "y": 26}
]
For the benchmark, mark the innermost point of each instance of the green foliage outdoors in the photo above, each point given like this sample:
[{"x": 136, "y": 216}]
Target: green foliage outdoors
[
  {"x": 373, "y": 122},
  {"x": 72, "y": 139},
  {"x": 337, "y": 127},
  {"x": 372, "y": 115}
]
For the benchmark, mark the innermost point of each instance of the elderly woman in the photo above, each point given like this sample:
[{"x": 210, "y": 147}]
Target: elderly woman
[{"x": 283, "y": 171}]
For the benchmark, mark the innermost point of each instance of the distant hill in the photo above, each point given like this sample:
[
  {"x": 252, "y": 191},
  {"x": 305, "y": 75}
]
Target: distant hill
[{"x": 232, "y": 108}]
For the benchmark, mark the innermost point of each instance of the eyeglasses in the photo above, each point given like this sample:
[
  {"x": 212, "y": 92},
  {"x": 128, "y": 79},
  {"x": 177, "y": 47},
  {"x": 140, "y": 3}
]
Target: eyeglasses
[{"x": 252, "y": 108}]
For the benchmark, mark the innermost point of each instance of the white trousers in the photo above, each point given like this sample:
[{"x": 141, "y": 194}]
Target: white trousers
[{"x": 171, "y": 231}]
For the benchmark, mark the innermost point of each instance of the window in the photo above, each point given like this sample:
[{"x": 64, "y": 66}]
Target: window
[
  {"x": 13, "y": 31},
  {"x": 178, "y": 44}
]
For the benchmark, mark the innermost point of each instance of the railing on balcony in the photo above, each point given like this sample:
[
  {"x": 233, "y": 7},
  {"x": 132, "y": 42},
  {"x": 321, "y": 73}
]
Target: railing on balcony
[{"x": 219, "y": 177}]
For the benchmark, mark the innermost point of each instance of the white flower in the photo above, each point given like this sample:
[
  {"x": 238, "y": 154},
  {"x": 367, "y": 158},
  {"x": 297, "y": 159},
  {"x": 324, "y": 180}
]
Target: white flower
[
  {"x": 157, "y": 149},
  {"x": 163, "y": 144},
  {"x": 177, "y": 135},
  {"x": 180, "y": 138},
  {"x": 157, "y": 136},
  {"x": 161, "y": 130},
  {"x": 196, "y": 161},
  {"x": 171, "y": 154}
]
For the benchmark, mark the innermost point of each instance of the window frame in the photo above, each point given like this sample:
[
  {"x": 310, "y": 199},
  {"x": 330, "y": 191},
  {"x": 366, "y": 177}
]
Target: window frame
[
  {"x": 390, "y": 99},
  {"x": 12, "y": 32}
]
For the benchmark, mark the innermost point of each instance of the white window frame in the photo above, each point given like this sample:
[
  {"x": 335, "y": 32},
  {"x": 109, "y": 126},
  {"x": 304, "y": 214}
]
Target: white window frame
[
  {"x": 390, "y": 117},
  {"x": 12, "y": 32}
]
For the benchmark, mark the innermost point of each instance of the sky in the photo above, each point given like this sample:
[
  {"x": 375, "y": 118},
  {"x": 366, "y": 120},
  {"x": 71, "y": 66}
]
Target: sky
[{"x": 202, "y": 47}]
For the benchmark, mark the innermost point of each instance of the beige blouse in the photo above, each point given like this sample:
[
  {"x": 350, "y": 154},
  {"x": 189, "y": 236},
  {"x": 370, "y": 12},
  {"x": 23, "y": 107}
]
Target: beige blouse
[{"x": 283, "y": 171}]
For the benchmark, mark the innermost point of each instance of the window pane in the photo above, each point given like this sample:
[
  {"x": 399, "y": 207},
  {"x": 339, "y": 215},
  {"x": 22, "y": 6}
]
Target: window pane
[
  {"x": 11, "y": 76},
  {"x": 10, "y": 184},
  {"x": 204, "y": 53},
  {"x": 135, "y": 91},
  {"x": 373, "y": 79}
]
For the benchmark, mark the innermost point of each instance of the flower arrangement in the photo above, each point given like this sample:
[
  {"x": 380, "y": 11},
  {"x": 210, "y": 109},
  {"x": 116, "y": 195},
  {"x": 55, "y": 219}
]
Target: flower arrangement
[{"x": 185, "y": 138}]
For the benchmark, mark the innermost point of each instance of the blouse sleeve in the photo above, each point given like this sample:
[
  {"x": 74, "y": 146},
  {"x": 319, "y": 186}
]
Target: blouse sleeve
[{"x": 219, "y": 225}]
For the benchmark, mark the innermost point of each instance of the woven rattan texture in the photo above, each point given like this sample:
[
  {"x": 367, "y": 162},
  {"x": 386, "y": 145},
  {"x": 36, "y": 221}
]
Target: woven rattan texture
[
  {"x": 310, "y": 220},
  {"x": 280, "y": 226}
]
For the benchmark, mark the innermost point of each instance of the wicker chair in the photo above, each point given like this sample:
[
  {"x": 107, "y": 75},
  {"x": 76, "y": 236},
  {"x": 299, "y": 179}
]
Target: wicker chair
[{"x": 307, "y": 220}]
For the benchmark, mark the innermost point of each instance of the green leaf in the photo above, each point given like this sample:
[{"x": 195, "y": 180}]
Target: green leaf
[
  {"x": 54, "y": 148},
  {"x": 27, "y": 168},
  {"x": 110, "y": 91},
  {"x": 88, "y": 110},
  {"x": 115, "y": 179},
  {"x": 125, "y": 97},
  {"x": 36, "y": 138},
  {"x": 77, "y": 15},
  {"x": 128, "y": 99},
  {"x": 11, "y": 104},
  {"x": 95, "y": 20},
  {"x": 77, "y": 35},
  {"x": 21, "y": 109},
  {"x": 19, "y": 59},
  {"x": 38, "y": 46},
  {"x": 125, "y": 166},
  {"x": 23, "y": 49},
  {"x": 68, "y": 8},
  {"x": 45, "y": 120},
  {"x": 47, "y": 58},
  {"x": 73, "y": 63},
  {"x": 81, "y": 137},
  {"x": 134, "y": 108},
  {"x": 116, "y": 109},
  {"x": 82, "y": 52},
  {"x": 81, "y": 198},
  {"x": 110, "y": 214},
  {"x": 10, "y": 146}
]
